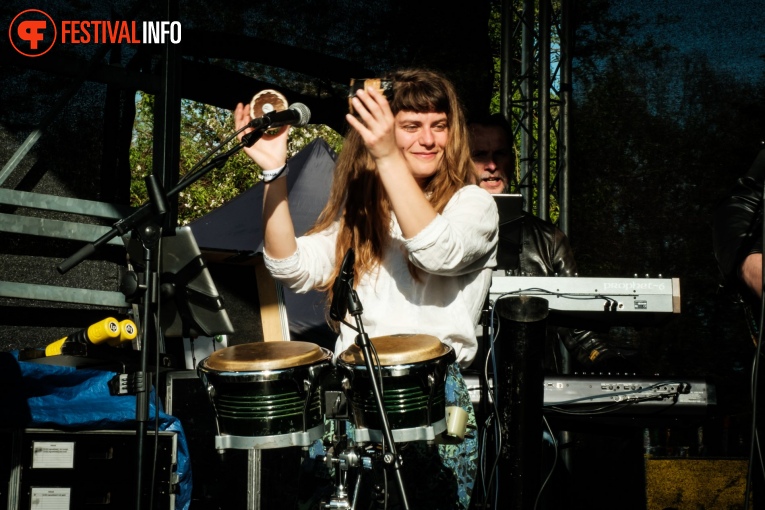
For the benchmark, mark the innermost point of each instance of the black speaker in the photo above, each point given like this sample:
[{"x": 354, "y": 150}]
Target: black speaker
[{"x": 87, "y": 470}]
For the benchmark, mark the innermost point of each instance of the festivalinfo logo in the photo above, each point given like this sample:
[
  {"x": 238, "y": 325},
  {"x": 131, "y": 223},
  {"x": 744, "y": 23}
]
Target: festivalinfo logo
[{"x": 33, "y": 32}]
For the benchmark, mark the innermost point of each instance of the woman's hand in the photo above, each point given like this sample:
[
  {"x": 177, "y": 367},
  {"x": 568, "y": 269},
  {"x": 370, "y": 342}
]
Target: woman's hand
[
  {"x": 270, "y": 152},
  {"x": 375, "y": 123},
  {"x": 377, "y": 127},
  {"x": 751, "y": 273}
]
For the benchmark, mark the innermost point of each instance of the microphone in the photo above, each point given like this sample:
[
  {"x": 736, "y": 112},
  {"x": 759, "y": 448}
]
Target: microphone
[
  {"x": 343, "y": 287},
  {"x": 296, "y": 115}
]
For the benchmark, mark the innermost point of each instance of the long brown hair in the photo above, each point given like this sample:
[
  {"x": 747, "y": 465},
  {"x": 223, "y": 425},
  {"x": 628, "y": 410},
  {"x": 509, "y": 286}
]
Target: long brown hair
[{"x": 358, "y": 200}]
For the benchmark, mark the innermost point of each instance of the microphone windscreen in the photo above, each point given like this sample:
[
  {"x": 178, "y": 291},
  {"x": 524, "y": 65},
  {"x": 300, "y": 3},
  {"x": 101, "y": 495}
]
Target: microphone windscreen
[{"x": 303, "y": 111}]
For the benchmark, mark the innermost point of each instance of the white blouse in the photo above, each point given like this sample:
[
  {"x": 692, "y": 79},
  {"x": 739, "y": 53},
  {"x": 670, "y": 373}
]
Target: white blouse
[{"x": 455, "y": 254}]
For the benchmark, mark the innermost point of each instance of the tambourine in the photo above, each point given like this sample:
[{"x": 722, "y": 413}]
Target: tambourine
[
  {"x": 382, "y": 85},
  {"x": 265, "y": 102}
]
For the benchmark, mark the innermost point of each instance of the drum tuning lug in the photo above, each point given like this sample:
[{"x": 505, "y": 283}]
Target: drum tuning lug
[{"x": 336, "y": 405}]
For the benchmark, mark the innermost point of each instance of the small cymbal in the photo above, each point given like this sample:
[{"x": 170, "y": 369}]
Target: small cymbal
[{"x": 267, "y": 101}]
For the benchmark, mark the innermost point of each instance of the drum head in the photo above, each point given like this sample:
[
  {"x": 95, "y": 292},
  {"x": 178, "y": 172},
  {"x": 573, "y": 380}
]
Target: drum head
[
  {"x": 258, "y": 356},
  {"x": 399, "y": 350}
]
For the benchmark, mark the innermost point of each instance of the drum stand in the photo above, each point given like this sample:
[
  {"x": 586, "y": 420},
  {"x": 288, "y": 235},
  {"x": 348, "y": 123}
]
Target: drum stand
[
  {"x": 346, "y": 301},
  {"x": 343, "y": 458}
]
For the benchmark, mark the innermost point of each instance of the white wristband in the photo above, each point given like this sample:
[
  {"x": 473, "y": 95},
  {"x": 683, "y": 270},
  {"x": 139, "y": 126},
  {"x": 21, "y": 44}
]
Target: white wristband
[{"x": 272, "y": 175}]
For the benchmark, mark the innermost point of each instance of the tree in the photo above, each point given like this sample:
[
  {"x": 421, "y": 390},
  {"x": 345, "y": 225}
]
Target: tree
[
  {"x": 657, "y": 137},
  {"x": 203, "y": 129}
]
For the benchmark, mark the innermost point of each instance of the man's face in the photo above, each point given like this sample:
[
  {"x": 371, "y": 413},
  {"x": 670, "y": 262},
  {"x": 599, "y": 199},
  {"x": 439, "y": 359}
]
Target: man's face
[{"x": 491, "y": 156}]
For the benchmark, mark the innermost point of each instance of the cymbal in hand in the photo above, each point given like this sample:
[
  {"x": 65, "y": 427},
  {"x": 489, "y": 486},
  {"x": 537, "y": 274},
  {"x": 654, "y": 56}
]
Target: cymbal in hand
[{"x": 267, "y": 101}]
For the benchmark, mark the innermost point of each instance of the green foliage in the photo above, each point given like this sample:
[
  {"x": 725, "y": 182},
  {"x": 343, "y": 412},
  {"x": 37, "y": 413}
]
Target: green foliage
[{"x": 203, "y": 129}]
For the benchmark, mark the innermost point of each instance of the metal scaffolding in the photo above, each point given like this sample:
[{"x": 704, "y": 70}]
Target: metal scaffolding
[{"x": 535, "y": 96}]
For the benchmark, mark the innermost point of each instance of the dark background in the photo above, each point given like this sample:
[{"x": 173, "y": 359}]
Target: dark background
[{"x": 668, "y": 110}]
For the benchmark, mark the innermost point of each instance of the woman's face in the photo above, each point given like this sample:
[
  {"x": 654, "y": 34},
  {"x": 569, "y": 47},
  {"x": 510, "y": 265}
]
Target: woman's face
[{"x": 421, "y": 137}]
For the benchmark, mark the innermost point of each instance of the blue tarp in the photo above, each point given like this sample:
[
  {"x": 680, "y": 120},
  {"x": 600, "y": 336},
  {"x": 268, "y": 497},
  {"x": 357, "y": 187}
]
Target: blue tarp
[{"x": 67, "y": 398}]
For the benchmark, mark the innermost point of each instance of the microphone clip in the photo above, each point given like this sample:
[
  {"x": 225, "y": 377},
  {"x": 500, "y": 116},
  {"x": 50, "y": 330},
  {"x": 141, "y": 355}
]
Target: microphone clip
[
  {"x": 250, "y": 138},
  {"x": 259, "y": 123},
  {"x": 344, "y": 297}
]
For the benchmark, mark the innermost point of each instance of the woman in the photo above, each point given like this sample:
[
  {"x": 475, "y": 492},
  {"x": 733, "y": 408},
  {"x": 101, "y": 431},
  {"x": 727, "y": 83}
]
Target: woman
[{"x": 424, "y": 236}]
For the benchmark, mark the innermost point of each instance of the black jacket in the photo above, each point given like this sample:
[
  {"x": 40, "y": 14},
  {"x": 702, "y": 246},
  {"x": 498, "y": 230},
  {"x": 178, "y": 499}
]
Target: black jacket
[
  {"x": 737, "y": 232},
  {"x": 737, "y": 222},
  {"x": 542, "y": 250}
]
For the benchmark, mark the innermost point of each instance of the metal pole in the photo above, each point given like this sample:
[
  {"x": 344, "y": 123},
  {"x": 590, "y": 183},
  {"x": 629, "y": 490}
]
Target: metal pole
[
  {"x": 254, "y": 458},
  {"x": 528, "y": 145},
  {"x": 566, "y": 93},
  {"x": 543, "y": 114}
]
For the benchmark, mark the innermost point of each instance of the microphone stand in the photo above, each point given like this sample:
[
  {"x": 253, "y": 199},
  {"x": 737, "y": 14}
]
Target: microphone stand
[
  {"x": 144, "y": 222},
  {"x": 391, "y": 458}
]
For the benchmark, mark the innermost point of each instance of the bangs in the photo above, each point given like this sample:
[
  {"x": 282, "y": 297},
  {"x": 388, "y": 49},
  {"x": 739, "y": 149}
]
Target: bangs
[{"x": 419, "y": 97}]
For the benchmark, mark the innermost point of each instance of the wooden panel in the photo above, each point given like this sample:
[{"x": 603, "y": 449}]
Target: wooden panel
[{"x": 272, "y": 312}]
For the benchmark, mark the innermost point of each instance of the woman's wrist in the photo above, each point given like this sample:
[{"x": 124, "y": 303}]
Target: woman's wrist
[{"x": 271, "y": 175}]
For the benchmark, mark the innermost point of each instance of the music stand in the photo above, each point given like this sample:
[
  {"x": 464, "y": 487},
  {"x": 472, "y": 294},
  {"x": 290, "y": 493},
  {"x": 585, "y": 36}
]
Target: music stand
[
  {"x": 510, "y": 208},
  {"x": 190, "y": 303}
]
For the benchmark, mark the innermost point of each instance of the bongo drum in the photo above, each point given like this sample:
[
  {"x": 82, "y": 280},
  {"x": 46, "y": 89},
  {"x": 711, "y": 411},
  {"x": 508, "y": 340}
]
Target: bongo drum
[
  {"x": 266, "y": 394},
  {"x": 413, "y": 369}
]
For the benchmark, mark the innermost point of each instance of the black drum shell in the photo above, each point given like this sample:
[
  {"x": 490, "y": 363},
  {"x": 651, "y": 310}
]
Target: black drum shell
[
  {"x": 413, "y": 393},
  {"x": 260, "y": 403}
]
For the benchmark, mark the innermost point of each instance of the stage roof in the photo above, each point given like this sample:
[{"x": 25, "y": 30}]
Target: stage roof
[{"x": 309, "y": 50}]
